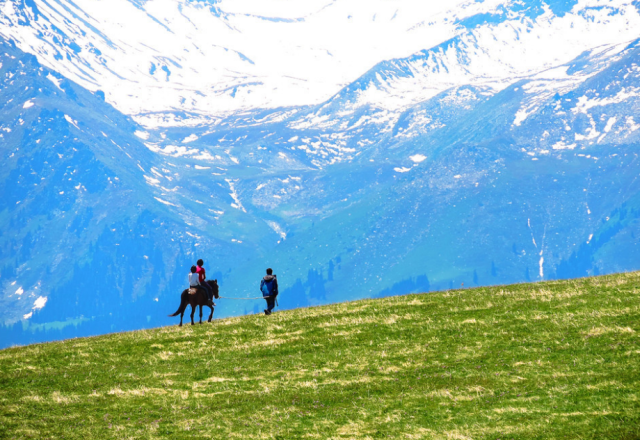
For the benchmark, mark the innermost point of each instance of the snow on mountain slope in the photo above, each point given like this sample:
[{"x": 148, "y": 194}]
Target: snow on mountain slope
[
  {"x": 495, "y": 55},
  {"x": 272, "y": 157},
  {"x": 177, "y": 62},
  {"x": 213, "y": 58},
  {"x": 336, "y": 132}
]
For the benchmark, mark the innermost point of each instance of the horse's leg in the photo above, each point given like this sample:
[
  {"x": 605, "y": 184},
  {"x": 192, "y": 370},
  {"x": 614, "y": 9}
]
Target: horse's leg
[
  {"x": 200, "y": 313},
  {"x": 181, "y": 315},
  {"x": 193, "y": 311},
  {"x": 211, "y": 315}
]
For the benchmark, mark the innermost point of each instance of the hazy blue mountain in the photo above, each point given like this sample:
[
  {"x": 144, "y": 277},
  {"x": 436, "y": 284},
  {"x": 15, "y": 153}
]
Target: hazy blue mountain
[
  {"x": 85, "y": 247},
  {"x": 101, "y": 218}
]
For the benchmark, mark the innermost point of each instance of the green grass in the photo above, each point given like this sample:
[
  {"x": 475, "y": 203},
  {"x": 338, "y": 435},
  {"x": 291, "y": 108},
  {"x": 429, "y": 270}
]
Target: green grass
[{"x": 547, "y": 360}]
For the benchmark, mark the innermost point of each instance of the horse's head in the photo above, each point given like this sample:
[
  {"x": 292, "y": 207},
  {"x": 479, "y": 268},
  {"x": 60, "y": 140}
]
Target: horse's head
[{"x": 214, "y": 287}]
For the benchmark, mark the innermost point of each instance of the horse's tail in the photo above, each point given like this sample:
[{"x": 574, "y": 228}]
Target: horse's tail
[{"x": 183, "y": 304}]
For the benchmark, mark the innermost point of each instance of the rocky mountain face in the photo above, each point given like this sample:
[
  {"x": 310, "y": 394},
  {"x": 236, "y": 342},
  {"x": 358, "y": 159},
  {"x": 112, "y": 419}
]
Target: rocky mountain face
[{"x": 506, "y": 153}]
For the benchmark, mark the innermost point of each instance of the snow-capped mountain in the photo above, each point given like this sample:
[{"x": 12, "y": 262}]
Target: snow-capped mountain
[
  {"x": 184, "y": 62},
  {"x": 211, "y": 58},
  {"x": 519, "y": 42},
  {"x": 504, "y": 149}
]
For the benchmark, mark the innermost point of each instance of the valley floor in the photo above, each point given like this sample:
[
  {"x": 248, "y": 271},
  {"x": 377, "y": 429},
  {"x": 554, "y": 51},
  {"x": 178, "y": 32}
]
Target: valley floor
[{"x": 548, "y": 360}]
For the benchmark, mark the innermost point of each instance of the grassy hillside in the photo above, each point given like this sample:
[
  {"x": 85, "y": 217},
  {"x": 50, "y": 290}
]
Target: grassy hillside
[{"x": 547, "y": 360}]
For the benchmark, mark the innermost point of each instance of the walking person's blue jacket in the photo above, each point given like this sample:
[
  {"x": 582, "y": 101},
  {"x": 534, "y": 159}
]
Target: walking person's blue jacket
[
  {"x": 269, "y": 286},
  {"x": 269, "y": 289}
]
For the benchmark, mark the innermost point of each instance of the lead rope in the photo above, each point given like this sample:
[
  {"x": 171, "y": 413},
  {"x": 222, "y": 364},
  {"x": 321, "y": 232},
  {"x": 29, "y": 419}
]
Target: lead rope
[{"x": 257, "y": 297}]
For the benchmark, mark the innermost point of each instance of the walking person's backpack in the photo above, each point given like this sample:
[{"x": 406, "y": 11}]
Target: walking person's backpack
[{"x": 267, "y": 286}]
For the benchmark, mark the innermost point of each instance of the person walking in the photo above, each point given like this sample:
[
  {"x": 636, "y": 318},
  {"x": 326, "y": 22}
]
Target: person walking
[{"x": 269, "y": 289}]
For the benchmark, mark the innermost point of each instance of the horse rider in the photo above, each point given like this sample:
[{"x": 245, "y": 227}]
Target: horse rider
[
  {"x": 194, "y": 279},
  {"x": 269, "y": 289},
  {"x": 202, "y": 277}
]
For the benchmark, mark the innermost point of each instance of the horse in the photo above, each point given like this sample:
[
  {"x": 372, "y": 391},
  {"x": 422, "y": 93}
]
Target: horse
[{"x": 199, "y": 298}]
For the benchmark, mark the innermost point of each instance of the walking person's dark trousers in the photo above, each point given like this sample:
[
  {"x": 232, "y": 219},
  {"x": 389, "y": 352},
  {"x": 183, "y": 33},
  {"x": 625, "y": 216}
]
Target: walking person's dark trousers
[{"x": 271, "y": 303}]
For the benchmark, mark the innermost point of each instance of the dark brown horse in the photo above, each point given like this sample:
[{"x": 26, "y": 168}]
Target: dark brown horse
[{"x": 198, "y": 298}]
